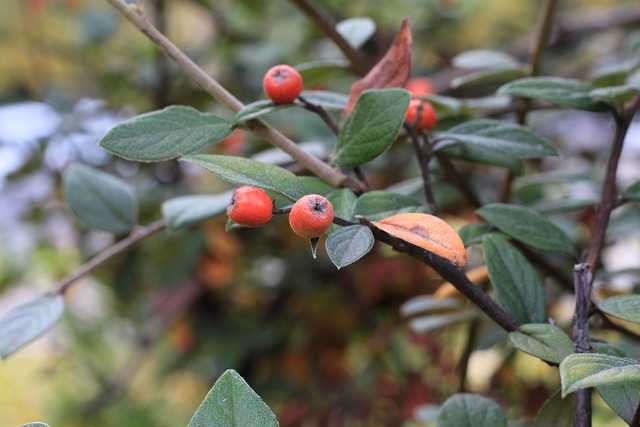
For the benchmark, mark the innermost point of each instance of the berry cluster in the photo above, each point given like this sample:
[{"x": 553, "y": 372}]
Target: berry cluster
[{"x": 310, "y": 216}]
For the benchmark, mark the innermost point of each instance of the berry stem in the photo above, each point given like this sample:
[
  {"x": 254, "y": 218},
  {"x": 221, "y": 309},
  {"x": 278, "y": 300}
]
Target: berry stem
[{"x": 322, "y": 113}]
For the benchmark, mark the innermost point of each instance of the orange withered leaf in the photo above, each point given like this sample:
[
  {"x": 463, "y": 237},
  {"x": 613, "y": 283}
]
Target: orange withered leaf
[
  {"x": 428, "y": 232},
  {"x": 391, "y": 71}
]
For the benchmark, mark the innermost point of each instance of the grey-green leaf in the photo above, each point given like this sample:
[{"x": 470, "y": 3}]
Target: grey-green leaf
[
  {"x": 431, "y": 322},
  {"x": 484, "y": 58},
  {"x": 258, "y": 109},
  {"x": 183, "y": 211},
  {"x": 471, "y": 410},
  {"x": 556, "y": 412},
  {"x": 615, "y": 94},
  {"x": 565, "y": 92},
  {"x": 36, "y": 424},
  {"x": 625, "y": 307},
  {"x": 490, "y": 75},
  {"x": 542, "y": 340},
  {"x": 528, "y": 227},
  {"x": 349, "y": 244},
  {"x": 622, "y": 398},
  {"x": 330, "y": 101},
  {"x": 583, "y": 370},
  {"x": 343, "y": 202},
  {"x": 377, "y": 205},
  {"x": 632, "y": 192},
  {"x": 99, "y": 199},
  {"x": 518, "y": 285},
  {"x": 233, "y": 403},
  {"x": 356, "y": 31},
  {"x": 24, "y": 323},
  {"x": 372, "y": 126},
  {"x": 242, "y": 171},
  {"x": 427, "y": 304},
  {"x": 165, "y": 134},
  {"x": 505, "y": 138}
]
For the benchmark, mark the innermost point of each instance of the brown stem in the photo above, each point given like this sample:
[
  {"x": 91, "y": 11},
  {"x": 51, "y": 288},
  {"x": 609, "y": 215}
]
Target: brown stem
[
  {"x": 326, "y": 118},
  {"x": 121, "y": 246},
  {"x": 326, "y": 24},
  {"x": 453, "y": 176},
  {"x": 422, "y": 149},
  {"x": 582, "y": 397}
]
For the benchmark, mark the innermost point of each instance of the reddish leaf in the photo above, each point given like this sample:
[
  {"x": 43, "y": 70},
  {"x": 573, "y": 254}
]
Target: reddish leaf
[
  {"x": 391, "y": 71},
  {"x": 428, "y": 232}
]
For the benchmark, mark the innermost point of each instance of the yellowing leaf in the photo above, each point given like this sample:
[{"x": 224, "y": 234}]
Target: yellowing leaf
[{"x": 427, "y": 232}]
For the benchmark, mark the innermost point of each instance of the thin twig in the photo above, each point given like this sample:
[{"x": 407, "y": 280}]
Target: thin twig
[
  {"x": 116, "y": 249},
  {"x": 582, "y": 397},
  {"x": 135, "y": 14},
  {"x": 328, "y": 27},
  {"x": 326, "y": 118}
]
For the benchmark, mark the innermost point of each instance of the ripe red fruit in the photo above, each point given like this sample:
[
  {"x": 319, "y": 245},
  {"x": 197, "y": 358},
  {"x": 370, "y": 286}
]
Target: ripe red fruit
[
  {"x": 427, "y": 118},
  {"x": 282, "y": 83},
  {"x": 250, "y": 207},
  {"x": 311, "y": 216},
  {"x": 419, "y": 86}
]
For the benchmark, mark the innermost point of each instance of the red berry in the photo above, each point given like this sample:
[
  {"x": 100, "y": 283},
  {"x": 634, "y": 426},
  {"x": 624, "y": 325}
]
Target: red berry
[
  {"x": 427, "y": 119},
  {"x": 282, "y": 84},
  {"x": 419, "y": 87},
  {"x": 250, "y": 207},
  {"x": 311, "y": 216}
]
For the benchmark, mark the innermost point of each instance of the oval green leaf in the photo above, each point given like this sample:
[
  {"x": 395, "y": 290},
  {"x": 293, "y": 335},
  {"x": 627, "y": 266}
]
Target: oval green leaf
[
  {"x": 427, "y": 304},
  {"x": 314, "y": 73},
  {"x": 518, "y": 285},
  {"x": 565, "y": 92},
  {"x": 36, "y": 424},
  {"x": 471, "y": 410},
  {"x": 583, "y": 370},
  {"x": 165, "y": 134},
  {"x": 27, "y": 322},
  {"x": 372, "y": 126},
  {"x": 233, "y": 403},
  {"x": 505, "y": 138},
  {"x": 528, "y": 226},
  {"x": 349, "y": 244},
  {"x": 343, "y": 202},
  {"x": 331, "y": 101},
  {"x": 491, "y": 75},
  {"x": 616, "y": 94},
  {"x": 622, "y": 398},
  {"x": 242, "y": 171},
  {"x": 632, "y": 192},
  {"x": 258, "y": 109},
  {"x": 556, "y": 412},
  {"x": 625, "y": 307},
  {"x": 542, "y": 340},
  {"x": 181, "y": 212},
  {"x": 424, "y": 324},
  {"x": 99, "y": 199},
  {"x": 377, "y": 205},
  {"x": 484, "y": 58}
]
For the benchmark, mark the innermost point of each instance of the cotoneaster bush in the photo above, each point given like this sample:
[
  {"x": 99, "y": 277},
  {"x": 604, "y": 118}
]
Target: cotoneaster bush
[{"x": 469, "y": 198}]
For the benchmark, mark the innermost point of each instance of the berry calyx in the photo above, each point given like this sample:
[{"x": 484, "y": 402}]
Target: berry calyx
[
  {"x": 282, "y": 84},
  {"x": 250, "y": 206},
  {"x": 311, "y": 216},
  {"x": 421, "y": 115}
]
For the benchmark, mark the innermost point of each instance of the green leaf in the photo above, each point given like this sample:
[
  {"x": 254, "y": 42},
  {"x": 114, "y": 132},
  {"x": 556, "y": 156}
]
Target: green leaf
[
  {"x": 477, "y": 154},
  {"x": 37, "y": 424},
  {"x": 622, "y": 398},
  {"x": 625, "y": 307},
  {"x": 330, "y": 101},
  {"x": 424, "y": 324},
  {"x": 528, "y": 226},
  {"x": 491, "y": 75},
  {"x": 314, "y": 73},
  {"x": 505, "y": 138},
  {"x": 377, "y": 205},
  {"x": 343, "y": 202},
  {"x": 165, "y": 134},
  {"x": 542, "y": 340},
  {"x": 349, "y": 244},
  {"x": 27, "y": 322},
  {"x": 632, "y": 192},
  {"x": 556, "y": 412},
  {"x": 472, "y": 233},
  {"x": 183, "y": 211},
  {"x": 242, "y": 171},
  {"x": 315, "y": 185},
  {"x": 471, "y": 410},
  {"x": 518, "y": 285},
  {"x": 615, "y": 94},
  {"x": 583, "y": 370},
  {"x": 484, "y": 58},
  {"x": 372, "y": 126},
  {"x": 356, "y": 31},
  {"x": 233, "y": 403},
  {"x": 99, "y": 199},
  {"x": 569, "y": 93},
  {"x": 258, "y": 109},
  {"x": 427, "y": 304}
]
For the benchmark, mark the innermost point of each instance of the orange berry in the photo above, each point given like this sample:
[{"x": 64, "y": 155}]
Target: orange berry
[
  {"x": 427, "y": 119},
  {"x": 419, "y": 86},
  {"x": 311, "y": 216},
  {"x": 250, "y": 207},
  {"x": 282, "y": 84}
]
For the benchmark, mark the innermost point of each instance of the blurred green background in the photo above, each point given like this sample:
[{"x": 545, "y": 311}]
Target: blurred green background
[{"x": 144, "y": 338}]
